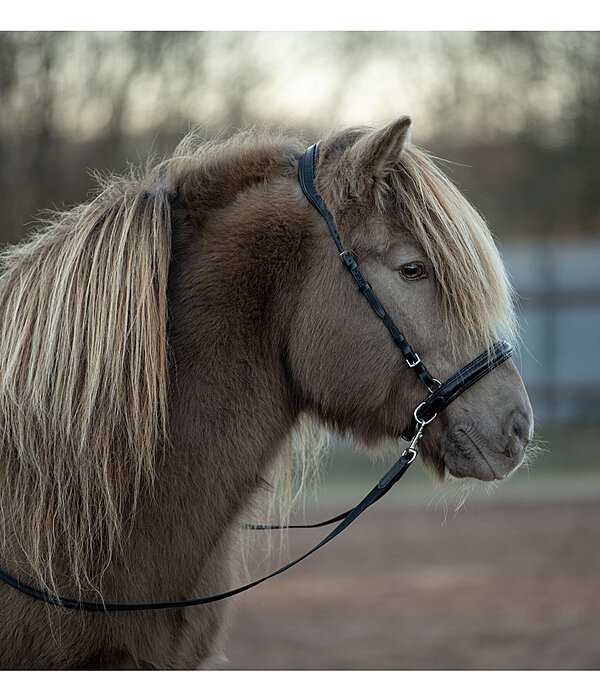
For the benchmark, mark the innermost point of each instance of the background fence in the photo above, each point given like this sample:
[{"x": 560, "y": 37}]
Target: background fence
[{"x": 558, "y": 286}]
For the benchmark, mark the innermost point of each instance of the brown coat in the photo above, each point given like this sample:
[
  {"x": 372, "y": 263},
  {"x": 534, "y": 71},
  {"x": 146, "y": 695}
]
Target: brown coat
[{"x": 162, "y": 343}]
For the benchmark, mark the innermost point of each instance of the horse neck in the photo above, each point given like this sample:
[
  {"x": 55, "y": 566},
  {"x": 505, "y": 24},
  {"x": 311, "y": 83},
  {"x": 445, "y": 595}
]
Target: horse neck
[{"x": 232, "y": 406}]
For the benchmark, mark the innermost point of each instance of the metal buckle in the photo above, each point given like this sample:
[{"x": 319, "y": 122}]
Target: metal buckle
[{"x": 415, "y": 363}]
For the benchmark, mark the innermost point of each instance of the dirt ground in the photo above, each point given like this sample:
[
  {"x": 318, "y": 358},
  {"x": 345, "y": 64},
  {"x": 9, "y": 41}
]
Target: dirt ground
[{"x": 500, "y": 585}]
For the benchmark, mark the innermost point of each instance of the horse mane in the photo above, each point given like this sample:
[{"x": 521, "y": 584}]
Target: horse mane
[
  {"x": 475, "y": 291},
  {"x": 83, "y": 388},
  {"x": 84, "y": 350}
]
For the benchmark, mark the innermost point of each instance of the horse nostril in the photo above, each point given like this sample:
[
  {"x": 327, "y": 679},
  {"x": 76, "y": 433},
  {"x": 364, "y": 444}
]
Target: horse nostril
[
  {"x": 520, "y": 431},
  {"x": 518, "y": 428}
]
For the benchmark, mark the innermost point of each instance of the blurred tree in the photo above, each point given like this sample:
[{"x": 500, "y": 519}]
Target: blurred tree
[
  {"x": 532, "y": 133},
  {"x": 521, "y": 108}
]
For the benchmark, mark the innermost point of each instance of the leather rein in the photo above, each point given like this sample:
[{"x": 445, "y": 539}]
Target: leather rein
[{"x": 440, "y": 396}]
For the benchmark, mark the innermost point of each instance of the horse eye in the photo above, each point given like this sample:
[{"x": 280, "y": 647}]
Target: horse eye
[{"x": 413, "y": 271}]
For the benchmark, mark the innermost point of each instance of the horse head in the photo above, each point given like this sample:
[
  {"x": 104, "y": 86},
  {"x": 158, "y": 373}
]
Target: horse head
[{"x": 432, "y": 261}]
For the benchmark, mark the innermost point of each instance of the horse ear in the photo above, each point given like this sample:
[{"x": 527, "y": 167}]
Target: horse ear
[{"x": 376, "y": 153}]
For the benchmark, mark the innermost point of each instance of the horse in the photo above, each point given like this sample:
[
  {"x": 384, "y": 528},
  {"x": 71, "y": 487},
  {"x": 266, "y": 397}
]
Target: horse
[{"x": 163, "y": 344}]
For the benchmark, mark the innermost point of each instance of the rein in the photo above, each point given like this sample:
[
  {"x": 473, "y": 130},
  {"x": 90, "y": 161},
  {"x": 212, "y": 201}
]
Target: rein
[{"x": 440, "y": 396}]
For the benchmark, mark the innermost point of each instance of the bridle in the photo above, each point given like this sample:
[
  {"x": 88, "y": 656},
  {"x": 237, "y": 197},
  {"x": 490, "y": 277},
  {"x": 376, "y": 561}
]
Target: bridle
[{"x": 440, "y": 396}]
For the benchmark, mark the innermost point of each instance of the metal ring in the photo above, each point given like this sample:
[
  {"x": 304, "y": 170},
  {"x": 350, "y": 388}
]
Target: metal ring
[
  {"x": 419, "y": 421},
  {"x": 413, "y": 452},
  {"x": 439, "y": 384}
]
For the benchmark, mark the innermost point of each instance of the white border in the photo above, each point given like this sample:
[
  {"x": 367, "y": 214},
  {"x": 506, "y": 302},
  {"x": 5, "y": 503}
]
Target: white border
[{"x": 311, "y": 15}]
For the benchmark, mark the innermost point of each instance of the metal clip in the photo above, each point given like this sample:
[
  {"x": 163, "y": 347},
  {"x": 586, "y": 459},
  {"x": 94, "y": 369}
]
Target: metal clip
[{"x": 412, "y": 448}]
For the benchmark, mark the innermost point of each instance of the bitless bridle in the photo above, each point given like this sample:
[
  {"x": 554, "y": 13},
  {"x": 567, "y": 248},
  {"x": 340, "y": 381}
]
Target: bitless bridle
[{"x": 440, "y": 396}]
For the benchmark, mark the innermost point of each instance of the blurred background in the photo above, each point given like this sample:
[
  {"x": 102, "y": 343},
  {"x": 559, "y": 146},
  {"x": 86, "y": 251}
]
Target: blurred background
[{"x": 504, "y": 578}]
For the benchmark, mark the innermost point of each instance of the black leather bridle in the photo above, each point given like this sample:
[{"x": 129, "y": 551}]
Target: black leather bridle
[{"x": 440, "y": 396}]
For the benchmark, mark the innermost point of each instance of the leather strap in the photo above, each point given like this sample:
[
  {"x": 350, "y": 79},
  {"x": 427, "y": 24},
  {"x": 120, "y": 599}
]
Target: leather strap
[
  {"x": 459, "y": 382},
  {"x": 306, "y": 174},
  {"x": 383, "y": 486}
]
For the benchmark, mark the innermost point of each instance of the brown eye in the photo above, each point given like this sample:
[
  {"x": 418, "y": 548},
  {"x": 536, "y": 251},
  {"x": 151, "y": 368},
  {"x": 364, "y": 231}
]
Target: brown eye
[{"x": 413, "y": 271}]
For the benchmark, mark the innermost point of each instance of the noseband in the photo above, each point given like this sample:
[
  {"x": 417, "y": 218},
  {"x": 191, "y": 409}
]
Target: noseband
[{"x": 440, "y": 396}]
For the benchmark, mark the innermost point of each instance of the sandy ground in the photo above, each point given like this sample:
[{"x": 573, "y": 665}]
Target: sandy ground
[{"x": 500, "y": 585}]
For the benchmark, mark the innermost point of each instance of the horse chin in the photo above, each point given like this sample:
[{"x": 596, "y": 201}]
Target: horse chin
[
  {"x": 480, "y": 469},
  {"x": 465, "y": 458}
]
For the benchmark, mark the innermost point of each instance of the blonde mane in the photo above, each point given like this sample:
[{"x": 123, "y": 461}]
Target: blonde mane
[
  {"x": 476, "y": 294},
  {"x": 83, "y": 388}
]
